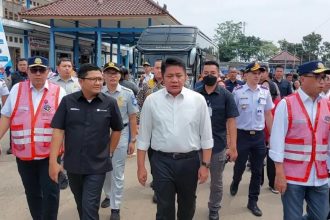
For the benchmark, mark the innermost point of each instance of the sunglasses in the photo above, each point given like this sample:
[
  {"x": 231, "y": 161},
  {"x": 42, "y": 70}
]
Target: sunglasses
[
  {"x": 318, "y": 77},
  {"x": 41, "y": 70}
]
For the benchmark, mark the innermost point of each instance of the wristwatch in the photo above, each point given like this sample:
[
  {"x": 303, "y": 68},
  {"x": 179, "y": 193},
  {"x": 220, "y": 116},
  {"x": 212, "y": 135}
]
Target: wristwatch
[
  {"x": 133, "y": 140},
  {"x": 205, "y": 164}
]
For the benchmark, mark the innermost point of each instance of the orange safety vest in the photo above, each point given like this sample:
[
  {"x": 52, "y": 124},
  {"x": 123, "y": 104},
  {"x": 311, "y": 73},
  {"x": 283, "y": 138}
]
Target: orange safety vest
[
  {"x": 306, "y": 145},
  {"x": 31, "y": 133}
]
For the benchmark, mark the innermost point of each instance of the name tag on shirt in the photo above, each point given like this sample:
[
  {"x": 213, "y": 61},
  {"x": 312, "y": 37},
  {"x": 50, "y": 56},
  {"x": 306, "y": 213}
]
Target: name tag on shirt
[
  {"x": 23, "y": 108},
  {"x": 101, "y": 110},
  {"x": 74, "y": 109}
]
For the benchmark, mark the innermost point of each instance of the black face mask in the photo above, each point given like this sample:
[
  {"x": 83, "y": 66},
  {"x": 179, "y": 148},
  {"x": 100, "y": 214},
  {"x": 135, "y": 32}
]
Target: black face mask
[{"x": 210, "y": 80}]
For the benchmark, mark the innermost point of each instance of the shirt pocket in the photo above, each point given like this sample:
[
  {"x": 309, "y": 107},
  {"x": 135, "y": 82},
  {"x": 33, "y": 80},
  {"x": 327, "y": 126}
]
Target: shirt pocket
[{"x": 244, "y": 105}]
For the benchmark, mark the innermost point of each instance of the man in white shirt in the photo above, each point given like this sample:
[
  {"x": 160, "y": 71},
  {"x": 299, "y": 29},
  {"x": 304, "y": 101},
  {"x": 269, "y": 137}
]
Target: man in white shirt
[
  {"x": 148, "y": 75},
  {"x": 176, "y": 122},
  {"x": 299, "y": 146}
]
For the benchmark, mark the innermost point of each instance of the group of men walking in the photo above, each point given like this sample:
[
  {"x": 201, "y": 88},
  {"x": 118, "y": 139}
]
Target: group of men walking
[{"x": 187, "y": 134}]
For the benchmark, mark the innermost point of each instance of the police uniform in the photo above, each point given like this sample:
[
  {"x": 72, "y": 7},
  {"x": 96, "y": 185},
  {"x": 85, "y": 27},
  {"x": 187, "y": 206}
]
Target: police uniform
[
  {"x": 70, "y": 86},
  {"x": 251, "y": 105},
  {"x": 114, "y": 181}
]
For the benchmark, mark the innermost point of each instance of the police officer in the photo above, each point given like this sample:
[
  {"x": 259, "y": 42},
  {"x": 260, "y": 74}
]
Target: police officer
[
  {"x": 114, "y": 181},
  {"x": 254, "y": 103}
]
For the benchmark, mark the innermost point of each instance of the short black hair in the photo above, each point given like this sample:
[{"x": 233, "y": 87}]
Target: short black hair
[
  {"x": 63, "y": 59},
  {"x": 123, "y": 71},
  {"x": 85, "y": 68},
  {"x": 279, "y": 66},
  {"x": 172, "y": 62},
  {"x": 22, "y": 59},
  {"x": 211, "y": 62}
]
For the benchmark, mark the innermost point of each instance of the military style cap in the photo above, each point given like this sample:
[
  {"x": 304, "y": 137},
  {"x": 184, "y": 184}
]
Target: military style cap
[
  {"x": 253, "y": 67},
  {"x": 38, "y": 61},
  {"x": 112, "y": 66},
  {"x": 315, "y": 67},
  {"x": 146, "y": 63}
]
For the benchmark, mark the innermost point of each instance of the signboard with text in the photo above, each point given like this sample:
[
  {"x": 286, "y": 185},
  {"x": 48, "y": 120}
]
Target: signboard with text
[{"x": 4, "y": 50}]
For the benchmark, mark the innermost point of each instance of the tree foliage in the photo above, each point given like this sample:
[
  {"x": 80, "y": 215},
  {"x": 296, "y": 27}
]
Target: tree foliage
[{"x": 233, "y": 44}]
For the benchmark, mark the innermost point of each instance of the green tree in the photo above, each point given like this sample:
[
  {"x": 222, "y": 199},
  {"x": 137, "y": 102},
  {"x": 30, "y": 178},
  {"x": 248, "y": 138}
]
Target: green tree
[
  {"x": 227, "y": 38},
  {"x": 267, "y": 50},
  {"x": 311, "y": 44},
  {"x": 325, "y": 51},
  {"x": 249, "y": 47}
]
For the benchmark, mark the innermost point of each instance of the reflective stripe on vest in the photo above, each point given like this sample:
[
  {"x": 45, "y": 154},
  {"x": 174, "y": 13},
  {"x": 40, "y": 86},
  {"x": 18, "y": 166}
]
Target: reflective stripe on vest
[
  {"x": 31, "y": 132},
  {"x": 305, "y": 145}
]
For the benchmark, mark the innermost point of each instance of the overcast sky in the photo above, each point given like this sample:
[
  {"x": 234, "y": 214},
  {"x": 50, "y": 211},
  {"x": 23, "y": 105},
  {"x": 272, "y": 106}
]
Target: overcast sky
[{"x": 268, "y": 19}]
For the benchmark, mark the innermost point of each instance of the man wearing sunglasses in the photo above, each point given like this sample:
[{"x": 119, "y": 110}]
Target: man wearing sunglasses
[
  {"x": 299, "y": 146},
  {"x": 28, "y": 112}
]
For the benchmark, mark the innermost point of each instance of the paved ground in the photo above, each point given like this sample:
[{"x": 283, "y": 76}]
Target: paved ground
[{"x": 137, "y": 203}]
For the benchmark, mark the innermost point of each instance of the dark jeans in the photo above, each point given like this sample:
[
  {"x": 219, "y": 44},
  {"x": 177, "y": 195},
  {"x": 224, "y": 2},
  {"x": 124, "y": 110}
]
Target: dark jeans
[
  {"x": 150, "y": 153},
  {"x": 253, "y": 146},
  {"x": 316, "y": 198},
  {"x": 42, "y": 193},
  {"x": 270, "y": 171},
  {"x": 87, "y": 191},
  {"x": 175, "y": 177}
]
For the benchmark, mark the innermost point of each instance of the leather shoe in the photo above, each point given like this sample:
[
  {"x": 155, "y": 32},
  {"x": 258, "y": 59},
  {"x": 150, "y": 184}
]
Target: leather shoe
[
  {"x": 115, "y": 214},
  {"x": 233, "y": 188},
  {"x": 213, "y": 215},
  {"x": 105, "y": 203},
  {"x": 254, "y": 209}
]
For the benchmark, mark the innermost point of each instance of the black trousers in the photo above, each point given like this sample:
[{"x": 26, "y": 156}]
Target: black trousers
[
  {"x": 87, "y": 191},
  {"x": 175, "y": 177},
  {"x": 42, "y": 193},
  {"x": 253, "y": 146},
  {"x": 270, "y": 171}
]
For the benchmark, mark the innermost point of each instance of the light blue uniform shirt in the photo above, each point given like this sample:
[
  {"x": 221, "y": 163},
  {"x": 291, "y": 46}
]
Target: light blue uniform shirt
[
  {"x": 125, "y": 99},
  {"x": 252, "y": 105}
]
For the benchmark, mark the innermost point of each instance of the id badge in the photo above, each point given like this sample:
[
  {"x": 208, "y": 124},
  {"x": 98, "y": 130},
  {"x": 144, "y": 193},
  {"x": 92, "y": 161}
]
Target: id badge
[{"x": 210, "y": 111}]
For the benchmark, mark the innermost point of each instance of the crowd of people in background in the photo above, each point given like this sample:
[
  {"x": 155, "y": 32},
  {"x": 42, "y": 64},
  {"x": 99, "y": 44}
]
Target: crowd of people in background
[{"x": 103, "y": 115}]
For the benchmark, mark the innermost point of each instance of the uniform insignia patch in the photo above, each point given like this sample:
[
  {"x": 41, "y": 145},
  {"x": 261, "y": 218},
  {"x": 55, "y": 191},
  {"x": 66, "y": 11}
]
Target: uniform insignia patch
[{"x": 134, "y": 101}]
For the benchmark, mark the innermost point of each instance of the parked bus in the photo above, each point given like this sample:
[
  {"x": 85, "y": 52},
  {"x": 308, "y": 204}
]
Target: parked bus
[{"x": 187, "y": 43}]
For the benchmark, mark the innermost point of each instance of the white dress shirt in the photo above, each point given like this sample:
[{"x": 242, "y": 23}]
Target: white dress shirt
[
  {"x": 36, "y": 98},
  {"x": 175, "y": 124},
  {"x": 279, "y": 131}
]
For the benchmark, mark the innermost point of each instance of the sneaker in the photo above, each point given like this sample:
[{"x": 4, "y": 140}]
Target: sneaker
[
  {"x": 115, "y": 214},
  {"x": 273, "y": 190},
  {"x": 105, "y": 203}
]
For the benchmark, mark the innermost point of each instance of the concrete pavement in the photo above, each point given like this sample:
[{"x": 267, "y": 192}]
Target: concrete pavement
[{"x": 137, "y": 203}]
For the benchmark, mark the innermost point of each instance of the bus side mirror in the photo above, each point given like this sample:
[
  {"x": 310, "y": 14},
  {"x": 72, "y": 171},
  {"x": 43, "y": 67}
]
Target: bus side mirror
[{"x": 192, "y": 56}]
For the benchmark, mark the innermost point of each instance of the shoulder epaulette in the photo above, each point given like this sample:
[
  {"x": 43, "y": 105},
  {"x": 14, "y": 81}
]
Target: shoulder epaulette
[{"x": 238, "y": 87}]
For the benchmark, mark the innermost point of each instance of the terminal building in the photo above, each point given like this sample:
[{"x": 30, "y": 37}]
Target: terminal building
[{"x": 70, "y": 28}]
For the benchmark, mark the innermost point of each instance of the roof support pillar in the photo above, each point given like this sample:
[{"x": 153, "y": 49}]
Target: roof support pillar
[
  {"x": 99, "y": 44},
  {"x": 76, "y": 48},
  {"x": 28, "y": 4},
  {"x": 27, "y": 52},
  {"x": 52, "y": 45},
  {"x": 118, "y": 46},
  {"x": 111, "y": 49},
  {"x": 127, "y": 60}
]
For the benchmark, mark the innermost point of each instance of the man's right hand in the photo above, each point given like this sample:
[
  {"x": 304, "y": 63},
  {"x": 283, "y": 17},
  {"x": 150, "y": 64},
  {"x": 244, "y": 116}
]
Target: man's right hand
[
  {"x": 142, "y": 175},
  {"x": 54, "y": 169},
  {"x": 280, "y": 183}
]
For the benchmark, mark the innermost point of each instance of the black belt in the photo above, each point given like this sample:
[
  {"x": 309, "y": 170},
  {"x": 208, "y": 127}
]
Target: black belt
[
  {"x": 125, "y": 124},
  {"x": 250, "y": 132},
  {"x": 177, "y": 156}
]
